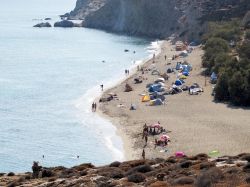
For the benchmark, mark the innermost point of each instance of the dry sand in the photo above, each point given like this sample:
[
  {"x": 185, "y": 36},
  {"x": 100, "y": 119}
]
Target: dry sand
[{"x": 197, "y": 123}]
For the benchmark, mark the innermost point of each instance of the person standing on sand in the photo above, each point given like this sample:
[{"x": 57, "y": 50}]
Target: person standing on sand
[
  {"x": 101, "y": 87},
  {"x": 95, "y": 106},
  {"x": 165, "y": 57},
  {"x": 146, "y": 139},
  {"x": 143, "y": 154}
]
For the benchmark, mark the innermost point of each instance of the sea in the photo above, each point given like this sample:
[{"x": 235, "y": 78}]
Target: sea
[{"x": 48, "y": 79}]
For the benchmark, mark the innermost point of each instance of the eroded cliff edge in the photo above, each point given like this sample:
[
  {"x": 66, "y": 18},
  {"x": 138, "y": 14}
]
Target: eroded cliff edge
[{"x": 157, "y": 18}]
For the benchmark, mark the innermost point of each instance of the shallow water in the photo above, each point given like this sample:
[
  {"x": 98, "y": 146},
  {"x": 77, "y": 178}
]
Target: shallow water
[{"x": 48, "y": 78}]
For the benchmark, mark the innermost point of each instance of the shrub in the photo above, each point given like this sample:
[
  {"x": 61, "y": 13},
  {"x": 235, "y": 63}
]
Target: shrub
[
  {"x": 115, "y": 164},
  {"x": 10, "y": 174},
  {"x": 141, "y": 169},
  {"x": 184, "y": 180},
  {"x": 136, "y": 178}
]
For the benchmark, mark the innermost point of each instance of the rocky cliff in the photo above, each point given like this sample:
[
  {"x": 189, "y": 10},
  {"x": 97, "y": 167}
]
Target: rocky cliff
[
  {"x": 199, "y": 171},
  {"x": 157, "y": 18}
]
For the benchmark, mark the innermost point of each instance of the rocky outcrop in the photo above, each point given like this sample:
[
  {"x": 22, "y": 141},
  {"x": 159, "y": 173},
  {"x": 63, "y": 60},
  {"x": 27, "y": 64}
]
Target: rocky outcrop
[
  {"x": 199, "y": 170},
  {"x": 47, "y": 24},
  {"x": 158, "y": 18},
  {"x": 66, "y": 24}
]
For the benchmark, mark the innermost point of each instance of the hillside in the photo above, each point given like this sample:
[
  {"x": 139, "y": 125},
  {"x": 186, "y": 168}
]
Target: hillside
[
  {"x": 198, "y": 170},
  {"x": 158, "y": 18}
]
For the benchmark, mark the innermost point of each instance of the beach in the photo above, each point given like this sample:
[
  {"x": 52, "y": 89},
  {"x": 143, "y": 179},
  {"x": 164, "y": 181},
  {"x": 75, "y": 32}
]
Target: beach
[{"x": 194, "y": 123}]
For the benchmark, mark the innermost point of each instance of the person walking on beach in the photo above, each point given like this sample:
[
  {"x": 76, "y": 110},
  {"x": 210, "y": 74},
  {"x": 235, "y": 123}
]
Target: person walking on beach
[
  {"x": 126, "y": 71},
  {"x": 146, "y": 139},
  {"x": 165, "y": 57},
  {"x": 93, "y": 107},
  {"x": 101, "y": 87},
  {"x": 143, "y": 154}
]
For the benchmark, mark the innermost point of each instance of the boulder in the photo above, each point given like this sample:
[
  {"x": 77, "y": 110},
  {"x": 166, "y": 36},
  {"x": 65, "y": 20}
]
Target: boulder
[
  {"x": 185, "y": 164},
  {"x": 136, "y": 178},
  {"x": 246, "y": 157},
  {"x": 184, "y": 181},
  {"x": 43, "y": 24},
  {"x": 209, "y": 177},
  {"x": 246, "y": 168},
  {"x": 64, "y": 23},
  {"x": 159, "y": 184},
  {"x": 128, "y": 88},
  {"x": 115, "y": 164}
]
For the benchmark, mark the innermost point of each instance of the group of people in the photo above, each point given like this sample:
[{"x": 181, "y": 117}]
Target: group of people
[
  {"x": 126, "y": 71},
  {"x": 162, "y": 143},
  {"x": 153, "y": 130},
  {"x": 94, "y": 105}
]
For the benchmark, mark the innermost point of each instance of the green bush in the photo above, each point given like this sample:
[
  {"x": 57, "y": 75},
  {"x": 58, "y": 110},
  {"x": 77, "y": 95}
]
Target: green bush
[
  {"x": 234, "y": 73},
  {"x": 248, "y": 35}
]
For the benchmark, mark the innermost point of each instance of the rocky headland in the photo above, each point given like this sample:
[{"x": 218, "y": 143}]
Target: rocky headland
[
  {"x": 159, "y": 18},
  {"x": 199, "y": 170}
]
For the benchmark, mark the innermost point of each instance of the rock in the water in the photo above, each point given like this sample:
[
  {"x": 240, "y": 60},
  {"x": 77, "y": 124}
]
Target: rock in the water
[
  {"x": 46, "y": 24},
  {"x": 64, "y": 23}
]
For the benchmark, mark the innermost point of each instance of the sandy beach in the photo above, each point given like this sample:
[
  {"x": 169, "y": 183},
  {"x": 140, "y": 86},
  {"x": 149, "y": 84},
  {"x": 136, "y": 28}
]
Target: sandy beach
[{"x": 197, "y": 123}]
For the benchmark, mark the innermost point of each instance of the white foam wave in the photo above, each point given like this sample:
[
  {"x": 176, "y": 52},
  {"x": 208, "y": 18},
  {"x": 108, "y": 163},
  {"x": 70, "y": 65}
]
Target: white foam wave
[{"x": 103, "y": 126}]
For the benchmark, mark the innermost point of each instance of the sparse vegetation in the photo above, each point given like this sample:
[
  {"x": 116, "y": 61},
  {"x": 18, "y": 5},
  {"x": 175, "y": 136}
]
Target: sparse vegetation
[{"x": 221, "y": 41}]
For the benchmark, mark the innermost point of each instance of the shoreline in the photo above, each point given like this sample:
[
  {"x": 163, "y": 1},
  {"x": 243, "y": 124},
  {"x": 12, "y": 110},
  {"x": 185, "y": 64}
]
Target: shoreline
[
  {"x": 197, "y": 120},
  {"x": 126, "y": 144}
]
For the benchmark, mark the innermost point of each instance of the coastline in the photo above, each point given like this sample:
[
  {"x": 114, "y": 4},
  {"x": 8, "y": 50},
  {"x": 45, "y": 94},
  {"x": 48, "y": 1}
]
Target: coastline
[
  {"x": 154, "y": 48},
  {"x": 197, "y": 120}
]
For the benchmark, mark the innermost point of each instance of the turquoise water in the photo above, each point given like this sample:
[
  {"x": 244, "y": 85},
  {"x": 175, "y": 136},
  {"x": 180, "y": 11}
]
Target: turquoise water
[{"x": 48, "y": 78}]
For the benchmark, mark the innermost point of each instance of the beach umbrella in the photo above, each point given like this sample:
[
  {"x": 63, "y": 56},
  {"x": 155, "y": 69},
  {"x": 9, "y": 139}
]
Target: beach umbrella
[
  {"x": 164, "y": 137},
  {"x": 157, "y": 125},
  {"x": 214, "y": 153}
]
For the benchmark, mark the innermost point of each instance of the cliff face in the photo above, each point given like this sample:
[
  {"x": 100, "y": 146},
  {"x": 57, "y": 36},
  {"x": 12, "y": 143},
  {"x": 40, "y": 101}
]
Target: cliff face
[{"x": 157, "y": 18}]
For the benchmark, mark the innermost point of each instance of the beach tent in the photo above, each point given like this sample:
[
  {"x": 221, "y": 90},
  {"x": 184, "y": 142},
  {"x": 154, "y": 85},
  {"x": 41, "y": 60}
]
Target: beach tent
[
  {"x": 169, "y": 70},
  {"x": 160, "y": 80},
  {"x": 186, "y": 73},
  {"x": 178, "y": 66},
  {"x": 156, "y": 88},
  {"x": 183, "y": 77},
  {"x": 145, "y": 98},
  {"x": 213, "y": 78},
  {"x": 186, "y": 67},
  {"x": 193, "y": 44},
  {"x": 178, "y": 82},
  {"x": 184, "y": 53},
  {"x": 156, "y": 102}
]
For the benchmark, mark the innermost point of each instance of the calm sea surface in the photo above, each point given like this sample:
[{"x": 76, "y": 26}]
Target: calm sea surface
[{"x": 48, "y": 79}]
